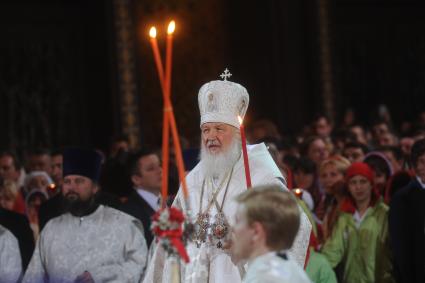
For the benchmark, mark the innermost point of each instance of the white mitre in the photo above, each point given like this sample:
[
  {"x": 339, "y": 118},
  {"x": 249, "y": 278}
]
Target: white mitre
[{"x": 223, "y": 101}]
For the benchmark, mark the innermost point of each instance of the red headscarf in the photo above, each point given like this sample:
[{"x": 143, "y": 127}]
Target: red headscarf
[
  {"x": 362, "y": 169},
  {"x": 359, "y": 168}
]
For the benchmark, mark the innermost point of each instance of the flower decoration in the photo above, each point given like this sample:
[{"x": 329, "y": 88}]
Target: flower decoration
[{"x": 167, "y": 226}]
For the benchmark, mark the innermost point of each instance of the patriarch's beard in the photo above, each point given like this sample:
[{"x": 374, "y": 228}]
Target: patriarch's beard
[{"x": 215, "y": 165}]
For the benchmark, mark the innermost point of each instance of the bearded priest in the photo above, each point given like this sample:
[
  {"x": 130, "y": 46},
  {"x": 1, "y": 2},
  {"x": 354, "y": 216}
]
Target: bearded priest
[
  {"x": 91, "y": 242},
  {"x": 213, "y": 186}
]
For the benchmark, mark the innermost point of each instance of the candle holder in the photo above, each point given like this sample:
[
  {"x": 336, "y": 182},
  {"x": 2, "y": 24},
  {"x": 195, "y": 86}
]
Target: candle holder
[
  {"x": 175, "y": 269},
  {"x": 169, "y": 122},
  {"x": 169, "y": 224}
]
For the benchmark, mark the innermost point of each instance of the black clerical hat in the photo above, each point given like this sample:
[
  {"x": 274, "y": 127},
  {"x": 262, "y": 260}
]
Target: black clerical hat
[{"x": 81, "y": 161}]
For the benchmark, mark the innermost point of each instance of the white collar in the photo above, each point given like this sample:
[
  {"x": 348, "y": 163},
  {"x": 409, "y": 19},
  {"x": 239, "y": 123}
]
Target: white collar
[
  {"x": 266, "y": 256},
  {"x": 420, "y": 182},
  {"x": 90, "y": 217},
  {"x": 151, "y": 198},
  {"x": 261, "y": 258},
  {"x": 359, "y": 219}
]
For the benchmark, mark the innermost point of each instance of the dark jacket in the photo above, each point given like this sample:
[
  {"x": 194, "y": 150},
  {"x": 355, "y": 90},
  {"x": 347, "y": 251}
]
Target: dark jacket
[
  {"x": 19, "y": 226},
  {"x": 140, "y": 209},
  {"x": 49, "y": 209},
  {"x": 407, "y": 233}
]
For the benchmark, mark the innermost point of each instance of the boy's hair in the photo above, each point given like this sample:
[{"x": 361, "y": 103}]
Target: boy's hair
[{"x": 276, "y": 210}]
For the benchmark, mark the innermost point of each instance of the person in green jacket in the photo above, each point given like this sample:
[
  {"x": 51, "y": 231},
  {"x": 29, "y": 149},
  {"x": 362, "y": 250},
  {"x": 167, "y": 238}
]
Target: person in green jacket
[
  {"x": 360, "y": 236},
  {"x": 318, "y": 268}
]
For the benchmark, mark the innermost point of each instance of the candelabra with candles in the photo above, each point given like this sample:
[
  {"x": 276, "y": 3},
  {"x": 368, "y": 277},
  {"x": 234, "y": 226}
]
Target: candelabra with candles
[{"x": 171, "y": 226}]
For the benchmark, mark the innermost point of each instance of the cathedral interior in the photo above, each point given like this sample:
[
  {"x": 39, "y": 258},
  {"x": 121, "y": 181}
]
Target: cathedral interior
[{"x": 81, "y": 72}]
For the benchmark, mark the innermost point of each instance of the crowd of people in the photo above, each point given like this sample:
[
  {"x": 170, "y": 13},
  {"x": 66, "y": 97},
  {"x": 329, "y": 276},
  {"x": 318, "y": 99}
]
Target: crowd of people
[
  {"x": 363, "y": 190},
  {"x": 359, "y": 190}
]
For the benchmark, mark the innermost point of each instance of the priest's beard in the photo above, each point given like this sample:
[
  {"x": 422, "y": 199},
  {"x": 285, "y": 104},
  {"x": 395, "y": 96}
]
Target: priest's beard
[
  {"x": 216, "y": 165},
  {"x": 78, "y": 207}
]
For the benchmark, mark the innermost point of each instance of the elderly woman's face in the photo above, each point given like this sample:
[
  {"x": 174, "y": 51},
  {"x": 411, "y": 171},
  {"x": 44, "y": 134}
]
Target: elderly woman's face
[{"x": 38, "y": 182}]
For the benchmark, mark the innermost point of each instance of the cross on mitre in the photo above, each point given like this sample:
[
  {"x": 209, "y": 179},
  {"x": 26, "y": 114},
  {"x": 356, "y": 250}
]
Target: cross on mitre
[{"x": 226, "y": 75}]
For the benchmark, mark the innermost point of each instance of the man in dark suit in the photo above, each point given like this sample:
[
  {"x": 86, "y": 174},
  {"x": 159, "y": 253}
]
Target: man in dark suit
[
  {"x": 145, "y": 173},
  {"x": 407, "y": 223},
  {"x": 19, "y": 226}
]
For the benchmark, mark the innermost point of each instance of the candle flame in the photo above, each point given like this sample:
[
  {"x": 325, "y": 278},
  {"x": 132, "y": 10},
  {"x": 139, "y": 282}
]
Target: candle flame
[
  {"x": 152, "y": 32},
  {"x": 240, "y": 119},
  {"x": 171, "y": 27},
  {"x": 298, "y": 191},
  {"x": 52, "y": 186}
]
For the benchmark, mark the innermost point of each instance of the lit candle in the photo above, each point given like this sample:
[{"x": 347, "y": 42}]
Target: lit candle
[
  {"x": 165, "y": 125},
  {"x": 245, "y": 154},
  {"x": 168, "y": 108},
  {"x": 169, "y": 119},
  {"x": 169, "y": 56},
  {"x": 157, "y": 57},
  {"x": 298, "y": 192}
]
